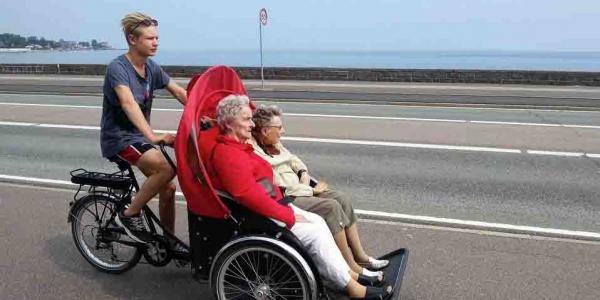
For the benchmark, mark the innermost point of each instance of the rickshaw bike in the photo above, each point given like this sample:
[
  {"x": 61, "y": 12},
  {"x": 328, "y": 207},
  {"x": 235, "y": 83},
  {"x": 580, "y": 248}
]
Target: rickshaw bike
[{"x": 241, "y": 254}]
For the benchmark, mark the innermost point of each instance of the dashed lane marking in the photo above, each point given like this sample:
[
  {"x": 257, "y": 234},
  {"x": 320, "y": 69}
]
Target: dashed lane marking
[
  {"x": 340, "y": 116},
  {"x": 353, "y": 142}
]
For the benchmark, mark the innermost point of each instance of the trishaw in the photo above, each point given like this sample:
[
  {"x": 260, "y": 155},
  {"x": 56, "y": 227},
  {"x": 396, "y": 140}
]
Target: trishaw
[{"x": 241, "y": 254}]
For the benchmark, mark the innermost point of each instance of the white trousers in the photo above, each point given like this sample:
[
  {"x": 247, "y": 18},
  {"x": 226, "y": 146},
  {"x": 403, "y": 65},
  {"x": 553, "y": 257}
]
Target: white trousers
[{"x": 317, "y": 239}]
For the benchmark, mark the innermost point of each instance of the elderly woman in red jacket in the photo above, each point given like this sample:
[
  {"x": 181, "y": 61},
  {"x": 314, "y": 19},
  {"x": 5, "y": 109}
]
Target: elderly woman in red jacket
[{"x": 236, "y": 169}]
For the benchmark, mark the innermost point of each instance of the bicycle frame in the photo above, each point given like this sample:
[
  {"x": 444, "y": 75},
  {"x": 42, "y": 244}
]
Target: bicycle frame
[
  {"x": 120, "y": 186},
  {"x": 154, "y": 221}
]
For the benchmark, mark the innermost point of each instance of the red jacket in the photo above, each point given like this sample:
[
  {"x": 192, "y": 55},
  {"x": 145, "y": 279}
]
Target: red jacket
[{"x": 237, "y": 170}]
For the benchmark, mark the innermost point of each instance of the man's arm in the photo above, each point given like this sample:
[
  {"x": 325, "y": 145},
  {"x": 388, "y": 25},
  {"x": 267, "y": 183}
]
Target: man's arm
[
  {"x": 178, "y": 92},
  {"x": 135, "y": 115}
]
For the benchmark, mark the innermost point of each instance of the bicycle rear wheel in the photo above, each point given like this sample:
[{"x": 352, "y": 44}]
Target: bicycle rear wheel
[{"x": 98, "y": 237}]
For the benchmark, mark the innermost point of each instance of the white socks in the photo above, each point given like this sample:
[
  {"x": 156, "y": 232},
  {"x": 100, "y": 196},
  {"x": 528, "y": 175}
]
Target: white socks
[{"x": 370, "y": 273}]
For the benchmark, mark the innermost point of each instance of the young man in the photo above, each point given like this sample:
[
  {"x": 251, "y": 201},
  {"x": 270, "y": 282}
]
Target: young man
[{"x": 126, "y": 135}]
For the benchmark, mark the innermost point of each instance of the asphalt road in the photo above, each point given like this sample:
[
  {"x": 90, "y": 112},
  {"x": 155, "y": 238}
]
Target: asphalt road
[
  {"x": 39, "y": 260},
  {"x": 357, "y": 92},
  {"x": 528, "y": 167},
  {"x": 514, "y": 188}
]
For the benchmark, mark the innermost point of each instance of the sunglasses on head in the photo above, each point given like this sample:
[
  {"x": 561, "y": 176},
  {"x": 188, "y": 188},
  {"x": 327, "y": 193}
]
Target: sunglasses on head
[{"x": 145, "y": 22}]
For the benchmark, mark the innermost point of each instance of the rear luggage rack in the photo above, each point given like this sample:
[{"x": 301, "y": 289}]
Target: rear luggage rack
[{"x": 116, "y": 180}]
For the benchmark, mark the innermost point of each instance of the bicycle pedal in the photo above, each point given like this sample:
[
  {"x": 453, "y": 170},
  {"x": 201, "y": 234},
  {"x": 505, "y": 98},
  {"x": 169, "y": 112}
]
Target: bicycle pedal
[{"x": 181, "y": 263}]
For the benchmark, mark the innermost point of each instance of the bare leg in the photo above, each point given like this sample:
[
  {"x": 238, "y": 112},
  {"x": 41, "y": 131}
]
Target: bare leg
[
  {"x": 159, "y": 174},
  {"x": 166, "y": 207},
  {"x": 355, "y": 289},
  {"x": 342, "y": 244},
  {"x": 354, "y": 241}
]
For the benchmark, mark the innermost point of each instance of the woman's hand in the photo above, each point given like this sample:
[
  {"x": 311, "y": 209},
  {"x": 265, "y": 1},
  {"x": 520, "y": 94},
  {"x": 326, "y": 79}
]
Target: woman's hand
[{"x": 320, "y": 187}]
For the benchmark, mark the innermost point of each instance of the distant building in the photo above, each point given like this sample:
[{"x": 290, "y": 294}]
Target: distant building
[
  {"x": 34, "y": 47},
  {"x": 104, "y": 45}
]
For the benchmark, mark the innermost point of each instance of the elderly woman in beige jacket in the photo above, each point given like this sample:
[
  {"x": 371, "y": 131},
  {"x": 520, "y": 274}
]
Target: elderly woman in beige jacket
[{"x": 291, "y": 174}]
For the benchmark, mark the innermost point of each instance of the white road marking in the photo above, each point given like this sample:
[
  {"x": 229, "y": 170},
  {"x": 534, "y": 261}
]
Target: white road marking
[
  {"x": 8, "y": 123},
  {"x": 67, "y": 126},
  {"x": 402, "y": 145},
  {"x": 479, "y": 224},
  {"x": 337, "y": 116},
  {"x": 397, "y": 217},
  {"x": 375, "y": 118},
  {"x": 556, "y": 153},
  {"x": 519, "y": 123},
  {"x": 350, "y": 142}
]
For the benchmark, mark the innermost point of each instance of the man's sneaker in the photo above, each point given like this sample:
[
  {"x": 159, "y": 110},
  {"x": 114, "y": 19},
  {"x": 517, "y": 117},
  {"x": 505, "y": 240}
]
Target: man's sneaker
[{"x": 134, "y": 226}]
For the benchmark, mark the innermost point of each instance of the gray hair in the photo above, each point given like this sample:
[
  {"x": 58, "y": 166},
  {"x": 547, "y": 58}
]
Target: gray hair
[
  {"x": 229, "y": 108},
  {"x": 263, "y": 115}
]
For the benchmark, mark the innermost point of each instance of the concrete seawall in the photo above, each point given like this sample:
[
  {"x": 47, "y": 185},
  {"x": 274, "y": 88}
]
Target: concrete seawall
[{"x": 348, "y": 74}]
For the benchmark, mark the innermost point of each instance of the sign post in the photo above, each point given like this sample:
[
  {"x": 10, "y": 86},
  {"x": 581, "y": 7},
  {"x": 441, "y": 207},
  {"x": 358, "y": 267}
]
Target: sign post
[{"x": 262, "y": 22}]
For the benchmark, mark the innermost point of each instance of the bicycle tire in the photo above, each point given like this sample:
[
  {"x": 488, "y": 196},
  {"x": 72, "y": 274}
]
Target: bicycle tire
[{"x": 103, "y": 217}]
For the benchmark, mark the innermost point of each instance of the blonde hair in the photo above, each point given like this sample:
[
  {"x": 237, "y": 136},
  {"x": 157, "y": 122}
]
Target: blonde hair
[{"x": 130, "y": 21}]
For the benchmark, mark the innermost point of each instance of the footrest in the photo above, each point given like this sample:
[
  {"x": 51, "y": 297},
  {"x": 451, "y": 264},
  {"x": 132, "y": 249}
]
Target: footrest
[
  {"x": 394, "y": 272},
  {"x": 110, "y": 180}
]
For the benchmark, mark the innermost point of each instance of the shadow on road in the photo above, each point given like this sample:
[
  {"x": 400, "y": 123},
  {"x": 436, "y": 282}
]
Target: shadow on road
[{"x": 142, "y": 282}]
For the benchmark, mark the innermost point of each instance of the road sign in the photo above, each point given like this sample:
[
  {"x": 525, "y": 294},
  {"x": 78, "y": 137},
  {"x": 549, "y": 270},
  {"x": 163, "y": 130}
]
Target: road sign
[
  {"x": 263, "y": 17},
  {"x": 263, "y": 22}
]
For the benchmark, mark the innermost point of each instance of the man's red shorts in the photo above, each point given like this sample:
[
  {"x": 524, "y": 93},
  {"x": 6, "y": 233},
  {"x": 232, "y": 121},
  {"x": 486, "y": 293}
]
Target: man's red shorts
[{"x": 132, "y": 153}]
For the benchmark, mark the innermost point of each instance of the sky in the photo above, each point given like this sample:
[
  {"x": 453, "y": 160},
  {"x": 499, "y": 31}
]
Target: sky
[{"x": 342, "y": 25}]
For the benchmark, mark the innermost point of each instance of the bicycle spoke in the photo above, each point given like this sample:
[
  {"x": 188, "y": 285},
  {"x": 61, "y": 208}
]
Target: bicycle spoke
[
  {"x": 231, "y": 286},
  {"x": 276, "y": 276},
  {"x": 102, "y": 216},
  {"x": 241, "y": 271},
  {"x": 97, "y": 243},
  {"x": 96, "y": 206},
  {"x": 281, "y": 265},
  {"x": 252, "y": 268}
]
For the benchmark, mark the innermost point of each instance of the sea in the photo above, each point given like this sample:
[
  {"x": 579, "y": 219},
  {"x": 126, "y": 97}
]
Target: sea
[{"x": 484, "y": 60}]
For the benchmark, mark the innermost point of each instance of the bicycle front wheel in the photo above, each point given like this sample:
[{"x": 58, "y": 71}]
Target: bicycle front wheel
[{"x": 98, "y": 237}]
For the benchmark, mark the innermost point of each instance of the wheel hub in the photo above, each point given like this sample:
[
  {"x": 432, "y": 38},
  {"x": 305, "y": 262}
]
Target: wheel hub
[{"x": 262, "y": 291}]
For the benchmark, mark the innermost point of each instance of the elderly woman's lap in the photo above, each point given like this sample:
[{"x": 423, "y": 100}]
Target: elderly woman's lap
[
  {"x": 335, "y": 208},
  {"x": 344, "y": 202}
]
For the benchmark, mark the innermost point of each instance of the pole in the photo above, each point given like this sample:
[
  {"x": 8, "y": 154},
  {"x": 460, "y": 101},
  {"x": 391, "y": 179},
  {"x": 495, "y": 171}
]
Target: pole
[{"x": 262, "y": 74}]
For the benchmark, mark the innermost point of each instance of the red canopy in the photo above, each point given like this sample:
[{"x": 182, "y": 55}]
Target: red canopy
[{"x": 193, "y": 145}]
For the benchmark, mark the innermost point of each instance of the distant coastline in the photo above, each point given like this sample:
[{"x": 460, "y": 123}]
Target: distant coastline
[
  {"x": 25, "y": 50},
  {"x": 14, "y": 43}
]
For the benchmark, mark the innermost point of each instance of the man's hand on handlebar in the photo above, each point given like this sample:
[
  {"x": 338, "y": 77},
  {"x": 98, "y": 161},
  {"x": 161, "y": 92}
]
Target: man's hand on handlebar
[{"x": 166, "y": 138}]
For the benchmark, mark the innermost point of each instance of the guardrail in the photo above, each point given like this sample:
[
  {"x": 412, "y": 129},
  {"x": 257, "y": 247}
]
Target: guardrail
[{"x": 349, "y": 74}]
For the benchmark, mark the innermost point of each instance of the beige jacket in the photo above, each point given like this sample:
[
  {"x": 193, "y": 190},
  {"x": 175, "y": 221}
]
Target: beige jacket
[{"x": 285, "y": 170}]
